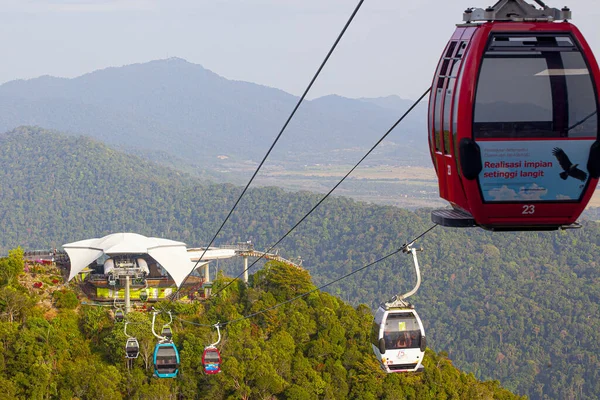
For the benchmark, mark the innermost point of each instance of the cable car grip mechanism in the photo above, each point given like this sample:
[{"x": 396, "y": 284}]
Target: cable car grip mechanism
[{"x": 516, "y": 10}]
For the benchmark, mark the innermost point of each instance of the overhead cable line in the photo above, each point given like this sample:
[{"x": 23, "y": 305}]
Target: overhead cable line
[
  {"x": 404, "y": 246},
  {"x": 341, "y": 34},
  {"x": 331, "y": 191}
]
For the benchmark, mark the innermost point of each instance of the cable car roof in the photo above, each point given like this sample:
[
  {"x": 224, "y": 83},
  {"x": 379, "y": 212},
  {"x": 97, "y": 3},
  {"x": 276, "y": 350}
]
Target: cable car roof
[
  {"x": 172, "y": 255},
  {"x": 516, "y": 10}
]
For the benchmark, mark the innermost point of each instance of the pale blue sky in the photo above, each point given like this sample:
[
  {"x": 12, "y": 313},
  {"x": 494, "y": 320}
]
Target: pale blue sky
[{"x": 391, "y": 48}]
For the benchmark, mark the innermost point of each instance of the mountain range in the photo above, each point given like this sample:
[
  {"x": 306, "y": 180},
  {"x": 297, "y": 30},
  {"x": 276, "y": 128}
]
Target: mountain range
[{"x": 182, "y": 109}]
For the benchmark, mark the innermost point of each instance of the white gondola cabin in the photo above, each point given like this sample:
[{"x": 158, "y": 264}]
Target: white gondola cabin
[
  {"x": 132, "y": 348},
  {"x": 398, "y": 339}
]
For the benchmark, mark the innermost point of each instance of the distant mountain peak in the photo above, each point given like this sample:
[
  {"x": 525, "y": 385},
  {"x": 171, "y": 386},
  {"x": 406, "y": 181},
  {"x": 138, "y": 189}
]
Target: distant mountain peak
[
  {"x": 176, "y": 59},
  {"x": 170, "y": 61},
  {"x": 393, "y": 102},
  {"x": 332, "y": 98},
  {"x": 388, "y": 97}
]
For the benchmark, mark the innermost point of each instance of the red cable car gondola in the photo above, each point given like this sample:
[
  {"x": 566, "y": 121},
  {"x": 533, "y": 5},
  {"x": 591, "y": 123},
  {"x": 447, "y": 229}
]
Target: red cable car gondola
[
  {"x": 513, "y": 120},
  {"x": 211, "y": 360}
]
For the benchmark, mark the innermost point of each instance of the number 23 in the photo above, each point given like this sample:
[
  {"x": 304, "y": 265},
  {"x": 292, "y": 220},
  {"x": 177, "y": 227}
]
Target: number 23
[{"x": 529, "y": 209}]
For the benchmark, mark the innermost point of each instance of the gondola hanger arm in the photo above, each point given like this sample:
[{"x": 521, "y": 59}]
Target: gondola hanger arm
[
  {"x": 170, "y": 320},
  {"x": 161, "y": 338},
  {"x": 409, "y": 249},
  {"x": 400, "y": 300},
  {"x": 217, "y": 325},
  {"x": 125, "y": 329}
]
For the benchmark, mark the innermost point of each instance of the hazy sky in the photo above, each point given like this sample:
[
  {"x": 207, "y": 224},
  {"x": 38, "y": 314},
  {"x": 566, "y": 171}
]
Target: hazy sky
[{"x": 391, "y": 47}]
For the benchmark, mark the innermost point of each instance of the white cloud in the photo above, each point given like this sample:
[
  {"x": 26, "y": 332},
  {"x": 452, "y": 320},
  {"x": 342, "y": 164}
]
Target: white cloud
[
  {"x": 531, "y": 192},
  {"x": 563, "y": 197},
  {"x": 503, "y": 193}
]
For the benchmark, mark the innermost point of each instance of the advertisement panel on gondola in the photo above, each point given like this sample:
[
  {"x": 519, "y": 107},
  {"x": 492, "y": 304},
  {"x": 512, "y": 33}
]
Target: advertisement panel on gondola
[{"x": 536, "y": 170}]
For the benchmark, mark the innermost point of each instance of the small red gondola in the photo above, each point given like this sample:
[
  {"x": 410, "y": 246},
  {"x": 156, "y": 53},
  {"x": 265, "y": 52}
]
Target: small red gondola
[
  {"x": 211, "y": 360},
  {"x": 513, "y": 120}
]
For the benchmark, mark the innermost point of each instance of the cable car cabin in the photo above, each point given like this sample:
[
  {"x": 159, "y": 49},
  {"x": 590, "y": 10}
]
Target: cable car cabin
[
  {"x": 211, "y": 360},
  {"x": 398, "y": 339},
  {"x": 119, "y": 315},
  {"x": 132, "y": 348},
  {"x": 166, "y": 332},
  {"x": 166, "y": 360},
  {"x": 513, "y": 124}
]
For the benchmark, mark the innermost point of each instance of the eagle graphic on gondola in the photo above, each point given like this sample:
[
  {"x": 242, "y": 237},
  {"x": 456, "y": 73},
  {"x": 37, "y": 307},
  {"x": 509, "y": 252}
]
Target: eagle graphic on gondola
[{"x": 569, "y": 168}]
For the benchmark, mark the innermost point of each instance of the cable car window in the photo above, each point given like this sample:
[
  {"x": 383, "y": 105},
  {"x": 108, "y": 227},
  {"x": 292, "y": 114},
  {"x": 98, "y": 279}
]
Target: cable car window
[
  {"x": 455, "y": 68},
  {"x": 376, "y": 326},
  {"x": 431, "y": 128},
  {"x": 460, "y": 74},
  {"x": 375, "y": 333},
  {"x": 450, "y": 50},
  {"x": 583, "y": 116},
  {"x": 534, "y": 87},
  {"x": 441, "y": 81},
  {"x": 447, "y": 114},
  {"x": 501, "y": 41},
  {"x": 437, "y": 117},
  {"x": 437, "y": 82},
  {"x": 461, "y": 49},
  {"x": 401, "y": 331},
  {"x": 166, "y": 364},
  {"x": 447, "y": 58},
  {"x": 456, "y": 62},
  {"x": 211, "y": 357},
  {"x": 455, "y": 107},
  {"x": 443, "y": 72}
]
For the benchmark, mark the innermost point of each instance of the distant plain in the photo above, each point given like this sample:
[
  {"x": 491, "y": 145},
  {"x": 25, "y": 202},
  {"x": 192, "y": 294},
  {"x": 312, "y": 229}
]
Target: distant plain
[{"x": 409, "y": 187}]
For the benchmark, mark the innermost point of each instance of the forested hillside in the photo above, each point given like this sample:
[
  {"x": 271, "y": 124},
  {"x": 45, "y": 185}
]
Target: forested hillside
[
  {"x": 315, "y": 347},
  {"x": 522, "y": 308}
]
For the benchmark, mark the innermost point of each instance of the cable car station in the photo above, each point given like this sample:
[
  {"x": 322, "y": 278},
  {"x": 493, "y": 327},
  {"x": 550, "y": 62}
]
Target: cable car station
[{"x": 126, "y": 267}]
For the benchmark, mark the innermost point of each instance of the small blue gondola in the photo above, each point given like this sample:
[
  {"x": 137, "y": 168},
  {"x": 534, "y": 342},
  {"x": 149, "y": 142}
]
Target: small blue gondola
[{"x": 166, "y": 360}]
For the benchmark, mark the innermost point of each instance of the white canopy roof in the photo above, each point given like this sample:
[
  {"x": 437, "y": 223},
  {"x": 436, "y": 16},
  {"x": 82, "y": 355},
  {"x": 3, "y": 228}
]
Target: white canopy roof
[{"x": 172, "y": 255}]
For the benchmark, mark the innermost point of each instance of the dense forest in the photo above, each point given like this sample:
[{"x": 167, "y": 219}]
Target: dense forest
[
  {"x": 521, "y": 308},
  {"x": 315, "y": 347}
]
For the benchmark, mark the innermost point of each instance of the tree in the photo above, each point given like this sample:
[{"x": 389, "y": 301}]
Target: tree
[
  {"x": 65, "y": 298},
  {"x": 283, "y": 280},
  {"x": 13, "y": 302},
  {"x": 12, "y": 266}
]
